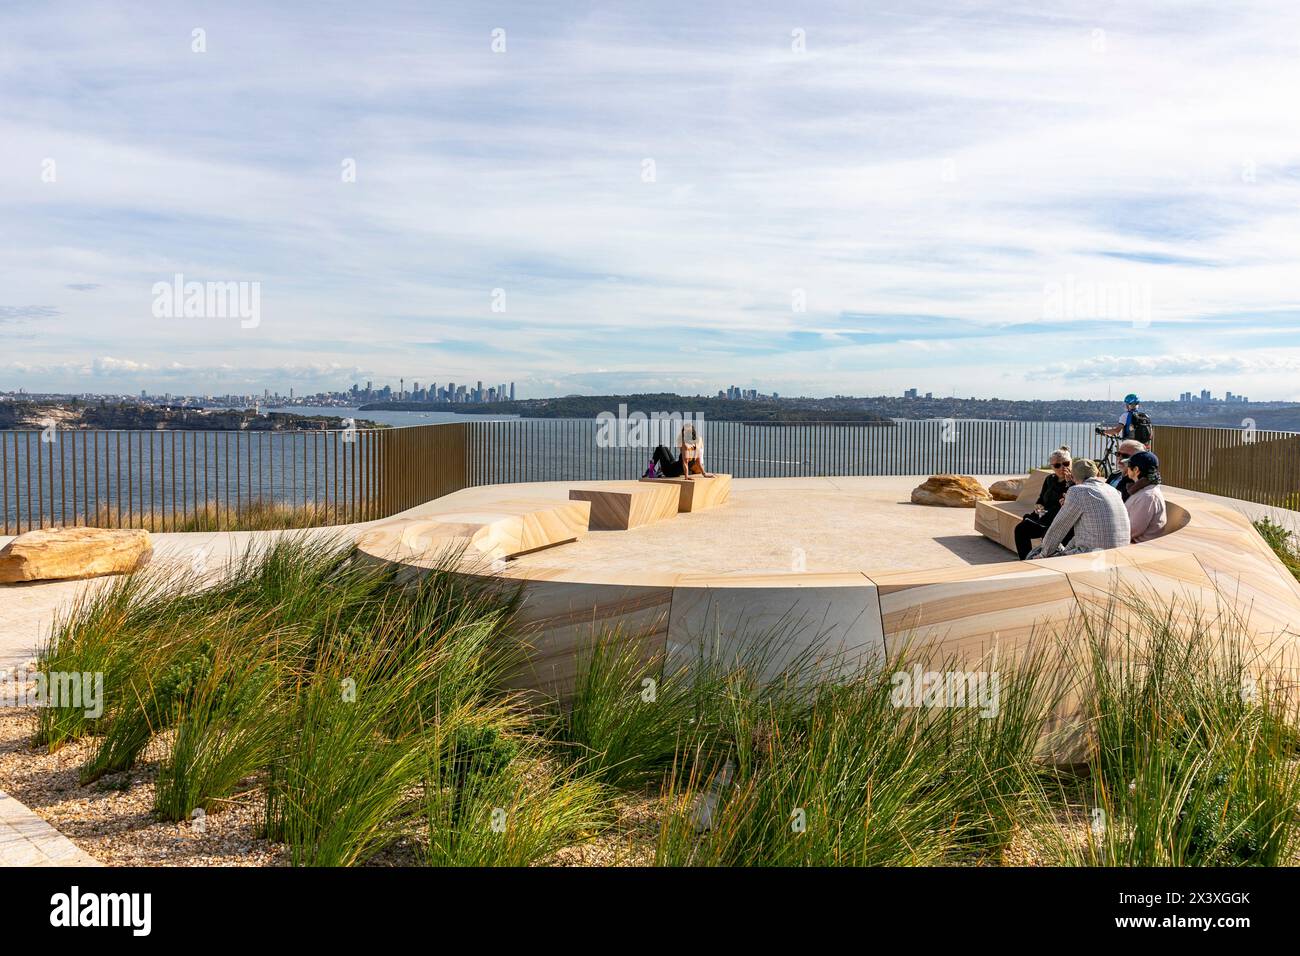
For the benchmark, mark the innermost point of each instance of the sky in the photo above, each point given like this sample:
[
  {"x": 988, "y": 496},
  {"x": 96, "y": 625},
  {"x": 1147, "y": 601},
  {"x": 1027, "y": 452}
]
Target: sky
[{"x": 1036, "y": 200}]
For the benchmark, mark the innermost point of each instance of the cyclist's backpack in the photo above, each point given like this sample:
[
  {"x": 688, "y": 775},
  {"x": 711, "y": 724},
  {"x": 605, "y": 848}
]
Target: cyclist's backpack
[{"x": 1141, "y": 424}]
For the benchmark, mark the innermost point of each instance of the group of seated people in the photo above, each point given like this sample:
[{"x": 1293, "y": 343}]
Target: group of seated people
[{"x": 1079, "y": 511}]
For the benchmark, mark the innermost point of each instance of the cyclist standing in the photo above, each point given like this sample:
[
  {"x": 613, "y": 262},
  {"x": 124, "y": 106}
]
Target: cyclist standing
[{"x": 1134, "y": 423}]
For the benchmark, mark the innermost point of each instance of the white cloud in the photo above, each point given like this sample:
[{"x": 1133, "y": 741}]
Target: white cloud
[
  {"x": 938, "y": 161},
  {"x": 1103, "y": 367}
]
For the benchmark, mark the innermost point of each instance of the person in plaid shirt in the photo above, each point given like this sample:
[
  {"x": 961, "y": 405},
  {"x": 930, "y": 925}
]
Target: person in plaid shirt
[{"x": 1093, "y": 509}]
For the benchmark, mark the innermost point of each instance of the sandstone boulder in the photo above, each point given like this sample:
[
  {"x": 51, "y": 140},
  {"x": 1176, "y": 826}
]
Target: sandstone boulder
[
  {"x": 1006, "y": 490},
  {"x": 949, "y": 491},
  {"x": 52, "y": 554}
]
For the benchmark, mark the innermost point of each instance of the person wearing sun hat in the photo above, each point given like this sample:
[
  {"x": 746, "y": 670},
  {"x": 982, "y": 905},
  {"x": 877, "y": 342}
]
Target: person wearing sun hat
[{"x": 1147, "y": 515}]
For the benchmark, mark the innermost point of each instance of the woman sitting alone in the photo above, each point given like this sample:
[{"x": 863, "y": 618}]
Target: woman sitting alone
[
  {"x": 663, "y": 465},
  {"x": 1147, "y": 515},
  {"x": 1055, "y": 485},
  {"x": 692, "y": 452}
]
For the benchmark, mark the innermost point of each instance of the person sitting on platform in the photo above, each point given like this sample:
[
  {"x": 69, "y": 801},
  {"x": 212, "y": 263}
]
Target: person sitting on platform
[
  {"x": 692, "y": 448},
  {"x": 1120, "y": 481},
  {"x": 664, "y": 465},
  {"x": 1036, "y": 523},
  {"x": 1093, "y": 510},
  {"x": 1146, "y": 502}
]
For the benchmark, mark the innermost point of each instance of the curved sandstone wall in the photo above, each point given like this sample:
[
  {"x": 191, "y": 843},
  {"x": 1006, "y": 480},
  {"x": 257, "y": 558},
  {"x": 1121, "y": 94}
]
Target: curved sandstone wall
[{"x": 1210, "y": 563}]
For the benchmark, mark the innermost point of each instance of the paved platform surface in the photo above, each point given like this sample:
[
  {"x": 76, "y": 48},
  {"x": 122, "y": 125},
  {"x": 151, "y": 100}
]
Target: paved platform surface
[
  {"x": 27, "y": 840},
  {"x": 771, "y": 524},
  {"x": 27, "y": 610}
]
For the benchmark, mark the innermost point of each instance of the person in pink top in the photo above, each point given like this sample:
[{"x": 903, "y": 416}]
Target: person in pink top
[{"x": 1146, "y": 502}]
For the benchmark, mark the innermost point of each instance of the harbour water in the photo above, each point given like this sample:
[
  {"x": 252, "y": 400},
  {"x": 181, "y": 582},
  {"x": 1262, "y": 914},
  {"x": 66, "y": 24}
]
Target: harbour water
[
  {"x": 393, "y": 419},
  {"x": 59, "y": 477}
]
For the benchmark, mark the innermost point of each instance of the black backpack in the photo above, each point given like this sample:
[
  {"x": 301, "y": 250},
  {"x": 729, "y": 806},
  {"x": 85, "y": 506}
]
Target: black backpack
[{"x": 1140, "y": 424}]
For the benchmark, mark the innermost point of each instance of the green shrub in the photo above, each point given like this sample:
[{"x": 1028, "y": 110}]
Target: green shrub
[
  {"x": 1194, "y": 756},
  {"x": 227, "y": 728},
  {"x": 490, "y": 801},
  {"x": 626, "y": 719},
  {"x": 342, "y": 790},
  {"x": 119, "y": 628},
  {"x": 853, "y": 779},
  {"x": 1282, "y": 541}
]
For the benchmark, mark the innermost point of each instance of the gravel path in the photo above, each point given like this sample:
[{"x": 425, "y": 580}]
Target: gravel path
[{"x": 111, "y": 819}]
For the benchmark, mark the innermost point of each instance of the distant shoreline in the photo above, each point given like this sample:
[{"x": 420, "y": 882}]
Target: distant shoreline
[
  {"x": 880, "y": 410},
  {"x": 590, "y": 406},
  {"x": 126, "y": 416}
]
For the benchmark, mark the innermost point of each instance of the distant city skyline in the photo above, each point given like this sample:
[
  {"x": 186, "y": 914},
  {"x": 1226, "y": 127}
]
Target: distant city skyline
[
  {"x": 1039, "y": 202},
  {"x": 453, "y": 393}
]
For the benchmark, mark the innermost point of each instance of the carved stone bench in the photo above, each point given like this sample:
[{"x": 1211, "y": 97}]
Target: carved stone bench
[
  {"x": 509, "y": 528},
  {"x": 623, "y": 505},
  {"x": 698, "y": 494}
]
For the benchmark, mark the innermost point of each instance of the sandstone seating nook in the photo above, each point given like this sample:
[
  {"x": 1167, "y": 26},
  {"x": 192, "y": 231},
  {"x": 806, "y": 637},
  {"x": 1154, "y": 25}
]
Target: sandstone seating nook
[
  {"x": 624, "y": 505},
  {"x": 698, "y": 494},
  {"x": 843, "y": 565},
  {"x": 650, "y": 587},
  {"x": 998, "y": 519}
]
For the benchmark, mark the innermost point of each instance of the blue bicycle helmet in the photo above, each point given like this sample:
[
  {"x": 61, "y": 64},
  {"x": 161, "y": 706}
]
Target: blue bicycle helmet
[{"x": 1131, "y": 399}]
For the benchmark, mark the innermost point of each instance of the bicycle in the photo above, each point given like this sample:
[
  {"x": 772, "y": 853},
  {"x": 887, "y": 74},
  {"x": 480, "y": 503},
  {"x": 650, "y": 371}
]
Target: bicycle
[{"x": 1108, "y": 463}]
